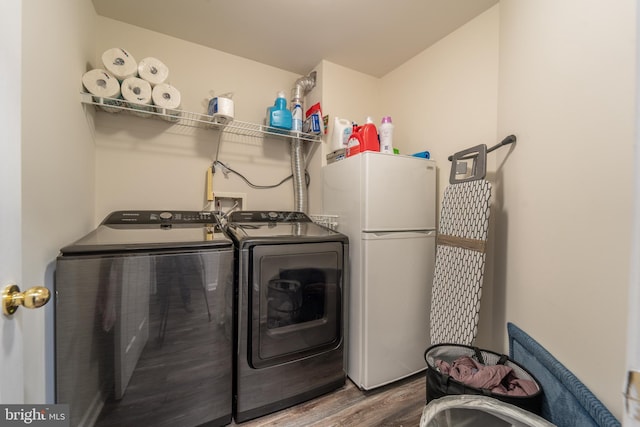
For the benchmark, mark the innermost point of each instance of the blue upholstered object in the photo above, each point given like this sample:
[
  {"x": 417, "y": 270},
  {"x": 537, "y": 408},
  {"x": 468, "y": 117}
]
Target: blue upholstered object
[{"x": 567, "y": 401}]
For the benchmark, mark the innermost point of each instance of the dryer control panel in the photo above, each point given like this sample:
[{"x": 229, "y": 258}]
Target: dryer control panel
[
  {"x": 160, "y": 217},
  {"x": 268, "y": 216}
]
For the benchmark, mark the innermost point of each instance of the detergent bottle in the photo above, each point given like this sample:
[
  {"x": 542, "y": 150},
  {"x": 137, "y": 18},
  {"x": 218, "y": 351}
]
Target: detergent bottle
[
  {"x": 363, "y": 138},
  {"x": 369, "y": 140},
  {"x": 279, "y": 116},
  {"x": 342, "y": 129},
  {"x": 296, "y": 116}
]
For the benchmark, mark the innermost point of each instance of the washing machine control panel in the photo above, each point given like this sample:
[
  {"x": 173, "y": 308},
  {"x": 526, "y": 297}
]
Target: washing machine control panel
[
  {"x": 160, "y": 217},
  {"x": 268, "y": 216}
]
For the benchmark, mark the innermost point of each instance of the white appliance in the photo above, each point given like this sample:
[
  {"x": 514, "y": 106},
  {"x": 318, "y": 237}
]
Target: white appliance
[{"x": 386, "y": 205}]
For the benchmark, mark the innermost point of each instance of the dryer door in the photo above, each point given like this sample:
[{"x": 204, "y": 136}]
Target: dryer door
[{"x": 296, "y": 301}]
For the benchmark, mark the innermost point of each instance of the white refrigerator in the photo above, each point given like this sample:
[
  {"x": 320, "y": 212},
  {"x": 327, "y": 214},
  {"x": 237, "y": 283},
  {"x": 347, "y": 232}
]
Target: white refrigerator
[{"x": 386, "y": 205}]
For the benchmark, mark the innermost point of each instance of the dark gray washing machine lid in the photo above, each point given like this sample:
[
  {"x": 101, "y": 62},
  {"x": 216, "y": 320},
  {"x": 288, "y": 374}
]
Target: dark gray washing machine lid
[{"x": 125, "y": 231}]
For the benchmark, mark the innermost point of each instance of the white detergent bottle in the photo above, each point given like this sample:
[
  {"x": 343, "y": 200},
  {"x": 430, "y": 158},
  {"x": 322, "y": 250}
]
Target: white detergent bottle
[
  {"x": 342, "y": 129},
  {"x": 385, "y": 131},
  {"x": 296, "y": 116}
]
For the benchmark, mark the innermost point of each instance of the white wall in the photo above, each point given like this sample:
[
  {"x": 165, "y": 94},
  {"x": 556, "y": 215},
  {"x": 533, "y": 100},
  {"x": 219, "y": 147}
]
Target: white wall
[
  {"x": 146, "y": 164},
  {"x": 566, "y": 88},
  {"x": 349, "y": 94},
  {"x": 445, "y": 100},
  {"x": 57, "y": 161}
]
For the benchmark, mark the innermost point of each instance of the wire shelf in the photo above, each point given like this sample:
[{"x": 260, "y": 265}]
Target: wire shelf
[
  {"x": 190, "y": 119},
  {"x": 329, "y": 221}
]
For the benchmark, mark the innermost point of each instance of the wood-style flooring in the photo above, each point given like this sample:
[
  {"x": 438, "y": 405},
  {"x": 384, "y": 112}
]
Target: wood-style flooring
[{"x": 396, "y": 405}]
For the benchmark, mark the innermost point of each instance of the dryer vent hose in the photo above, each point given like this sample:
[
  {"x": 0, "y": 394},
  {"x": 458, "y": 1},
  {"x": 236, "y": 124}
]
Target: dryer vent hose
[{"x": 300, "y": 197}]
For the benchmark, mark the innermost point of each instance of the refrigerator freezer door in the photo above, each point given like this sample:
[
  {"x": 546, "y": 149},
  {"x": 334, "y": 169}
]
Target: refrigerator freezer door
[
  {"x": 381, "y": 192},
  {"x": 398, "y": 192},
  {"x": 398, "y": 272}
]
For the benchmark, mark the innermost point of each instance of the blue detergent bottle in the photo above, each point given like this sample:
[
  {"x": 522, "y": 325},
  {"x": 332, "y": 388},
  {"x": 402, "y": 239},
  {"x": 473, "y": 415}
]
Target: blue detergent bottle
[{"x": 279, "y": 116}]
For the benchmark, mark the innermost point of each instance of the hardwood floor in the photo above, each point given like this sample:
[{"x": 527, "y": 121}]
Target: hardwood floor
[{"x": 397, "y": 405}]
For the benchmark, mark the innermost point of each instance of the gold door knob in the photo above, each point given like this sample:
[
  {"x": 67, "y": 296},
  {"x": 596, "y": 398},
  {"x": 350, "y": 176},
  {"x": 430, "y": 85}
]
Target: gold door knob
[{"x": 12, "y": 298}]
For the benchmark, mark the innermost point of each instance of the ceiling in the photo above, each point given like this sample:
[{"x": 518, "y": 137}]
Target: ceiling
[{"x": 370, "y": 36}]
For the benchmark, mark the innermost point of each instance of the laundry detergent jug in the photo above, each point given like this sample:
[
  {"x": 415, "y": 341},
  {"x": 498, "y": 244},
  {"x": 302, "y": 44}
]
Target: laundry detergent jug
[
  {"x": 363, "y": 138},
  {"x": 342, "y": 129}
]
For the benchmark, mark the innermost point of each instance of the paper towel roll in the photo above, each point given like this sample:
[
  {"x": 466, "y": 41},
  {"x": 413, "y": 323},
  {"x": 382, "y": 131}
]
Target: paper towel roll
[
  {"x": 167, "y": 101},
  {"x": 153, "y": 71},
  {"x": 120, "y": 63},
  {"x": 137, "y": 93},
  {"x": 103, "y": 84},
  {"x": 221, "y": 110}
]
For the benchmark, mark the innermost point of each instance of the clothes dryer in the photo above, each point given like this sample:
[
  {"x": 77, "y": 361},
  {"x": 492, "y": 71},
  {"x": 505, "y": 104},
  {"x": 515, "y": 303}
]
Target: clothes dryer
[{"x": 291, "y": 276}]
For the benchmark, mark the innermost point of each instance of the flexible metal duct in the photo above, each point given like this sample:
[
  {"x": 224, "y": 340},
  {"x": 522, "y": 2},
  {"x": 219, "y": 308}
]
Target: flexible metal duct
[{"x": 300, "y": 197}]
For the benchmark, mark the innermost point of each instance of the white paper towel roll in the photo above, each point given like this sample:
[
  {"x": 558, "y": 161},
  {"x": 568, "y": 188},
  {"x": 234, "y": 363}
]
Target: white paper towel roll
[
  {"x": 153, "y": 70},
  {"x": 137, "y": 93},
  {"x": 221, "y": 109},
  {"x": 103, "y": 84},
  {"x": 120, "y": 63},
  {"x": 167, "y": 101}
]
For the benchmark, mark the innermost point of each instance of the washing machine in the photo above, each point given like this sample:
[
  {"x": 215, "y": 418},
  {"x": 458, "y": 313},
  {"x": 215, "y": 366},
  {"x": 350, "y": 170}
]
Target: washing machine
[
  {"x": 291, "y": 277},
  {"x": 144, "y": 322}
]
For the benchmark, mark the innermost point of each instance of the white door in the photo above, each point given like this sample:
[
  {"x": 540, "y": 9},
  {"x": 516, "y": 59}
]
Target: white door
[
  {"x": 11, "y": 366},
  {"x": 397, "y": 299},
  {"x": 631, "y": 392},
  {"x": 399, "y": 192},
  {"x": 632, "y": 382}
]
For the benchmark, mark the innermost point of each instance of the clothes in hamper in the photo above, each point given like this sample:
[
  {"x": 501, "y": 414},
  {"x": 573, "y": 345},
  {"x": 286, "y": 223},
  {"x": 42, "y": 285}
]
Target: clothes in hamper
[{"x": 499, "y": 379}]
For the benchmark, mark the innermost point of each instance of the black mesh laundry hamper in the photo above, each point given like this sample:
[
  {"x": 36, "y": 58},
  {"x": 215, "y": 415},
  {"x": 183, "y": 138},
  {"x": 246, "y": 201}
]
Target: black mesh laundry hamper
[{"x": 440, "y": 384}]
